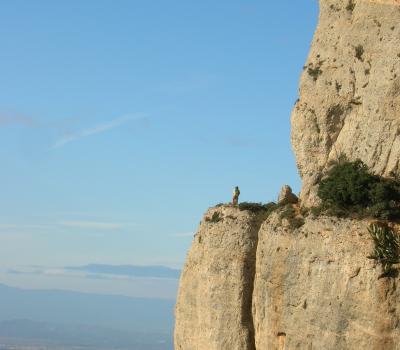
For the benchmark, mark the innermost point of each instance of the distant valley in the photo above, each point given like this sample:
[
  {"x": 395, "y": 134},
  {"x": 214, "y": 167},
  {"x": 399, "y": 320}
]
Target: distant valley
[{"x": 63, "y": 320}]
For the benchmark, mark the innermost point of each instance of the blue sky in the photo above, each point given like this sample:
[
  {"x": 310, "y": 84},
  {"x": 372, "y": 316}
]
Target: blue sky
[{"x": 121, "y": 122}]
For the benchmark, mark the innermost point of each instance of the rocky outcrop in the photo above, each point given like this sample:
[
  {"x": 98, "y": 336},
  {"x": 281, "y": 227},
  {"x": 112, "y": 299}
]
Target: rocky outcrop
[
  {"x": 315, "y": 288},
  {"x": 349, "y": 91},
  {"x": 292, "y": 281},
  {"x": 286, "y": 196},
  {"x": 247, "y": 286},
  {"x": 213, "y": 310}
]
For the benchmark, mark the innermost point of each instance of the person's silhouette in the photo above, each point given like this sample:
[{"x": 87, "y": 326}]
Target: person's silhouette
[{"x": 236, "y": 193}]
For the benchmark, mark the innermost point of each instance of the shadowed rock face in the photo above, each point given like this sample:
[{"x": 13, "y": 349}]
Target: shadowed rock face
[
  {"x": 349, "y": 91},
  {"x": 213, "y": 310}
]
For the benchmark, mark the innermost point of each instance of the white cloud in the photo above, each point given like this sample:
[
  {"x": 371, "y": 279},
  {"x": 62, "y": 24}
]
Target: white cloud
[
  {"x": 23, "y": 227},
  {"x": 94, "y": 225},
  {"x": 79, "y": 134},
  {"x": 183, "y": 234}
]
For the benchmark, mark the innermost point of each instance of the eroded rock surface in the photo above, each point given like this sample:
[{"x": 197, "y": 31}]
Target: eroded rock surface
[
  {"x": 286, "y": 196},
  {"x": 213, "y": 310},
  {"x": 255, "y": 284},
  {"x": 350, "y": 91},
  {"x": 315, "y": 288}
]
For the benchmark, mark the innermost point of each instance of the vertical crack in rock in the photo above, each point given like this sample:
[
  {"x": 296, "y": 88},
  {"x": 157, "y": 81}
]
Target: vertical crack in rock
[
  {"x": 250, "y": 273},
  {"x": 214, "y": 305}
]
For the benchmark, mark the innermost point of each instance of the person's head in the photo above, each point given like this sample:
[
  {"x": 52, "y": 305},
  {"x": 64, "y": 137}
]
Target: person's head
[{"x": 237, "y": 187}]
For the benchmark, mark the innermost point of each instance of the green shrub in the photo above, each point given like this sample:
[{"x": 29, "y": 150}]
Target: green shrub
[
  {"x": 386, "y": 246},
  {"x": 349, "y": 188},
  {"x": 216, "y": 217},
  {"x": 314, "y": 72},
  {"x": 359, "y": 52},
  {"x": 257, "y": 207},
  {"x": 347, "y": 185},
  {"x": 350, "y": 6}
]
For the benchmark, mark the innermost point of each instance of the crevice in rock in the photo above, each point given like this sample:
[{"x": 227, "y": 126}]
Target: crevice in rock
[{"x": 250, "y": 266}]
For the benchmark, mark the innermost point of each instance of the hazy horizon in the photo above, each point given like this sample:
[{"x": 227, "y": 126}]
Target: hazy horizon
[{"x": 121, "y": 123}]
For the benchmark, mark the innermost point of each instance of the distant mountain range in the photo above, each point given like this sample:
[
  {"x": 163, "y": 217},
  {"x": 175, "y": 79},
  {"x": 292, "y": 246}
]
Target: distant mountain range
[
  {"x": 106, "y": 320},
  {"x": 129, "y": 270}
]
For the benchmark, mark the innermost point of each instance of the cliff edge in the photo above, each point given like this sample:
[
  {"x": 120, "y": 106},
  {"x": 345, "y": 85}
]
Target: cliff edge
[
  {"x": 250, "y": 283},
  {"x": 286, "y": 278}
]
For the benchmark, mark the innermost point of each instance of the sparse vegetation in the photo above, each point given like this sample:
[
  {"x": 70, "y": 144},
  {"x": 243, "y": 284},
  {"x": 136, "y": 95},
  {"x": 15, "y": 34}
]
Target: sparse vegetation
[
  {"x": 349, "y": 189},
  {"x": 314, "y": 72},
  {"x": 334, "y": 113},
  {"x": 338, "y": 86},
  {"x": 257, "y": 207},
  {"x": 359, "y": 52},
  {"x": 295, "y": 219},
  {"x": 386, "y": 246},
  {"x": 216, "y": 217},
  {"x": 350, "y": 6}
]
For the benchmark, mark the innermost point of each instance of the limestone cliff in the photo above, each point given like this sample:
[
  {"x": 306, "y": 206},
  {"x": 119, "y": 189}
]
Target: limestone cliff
[
  {"x": 213, "y": 310},
  {"x": 350, "y": 90},
  {"x": 253, "y": 282},
  {"x": 315, "y": 288}
]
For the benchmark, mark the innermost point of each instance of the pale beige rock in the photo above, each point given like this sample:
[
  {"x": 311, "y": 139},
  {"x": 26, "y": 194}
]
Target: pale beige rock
[
  {"x": 286, "y": 196},
  {"x": 247, "y": 286},
  {"x": 213, "y": 310},
  {"x": 315, "y": 288},
  {"x": 349, "y": 91}
]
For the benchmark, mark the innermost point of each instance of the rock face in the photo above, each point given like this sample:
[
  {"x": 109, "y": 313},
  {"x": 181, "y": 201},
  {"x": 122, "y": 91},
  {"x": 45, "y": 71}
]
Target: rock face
[
  {"x": 257, "y": 283},
  {"x": 315, "y": 288},
  {"x": 213, "y": 310},
  {"x": 286, "y": 196},
  {"x": 270, "y": 287},
  {"x": 350, "y": 91}
]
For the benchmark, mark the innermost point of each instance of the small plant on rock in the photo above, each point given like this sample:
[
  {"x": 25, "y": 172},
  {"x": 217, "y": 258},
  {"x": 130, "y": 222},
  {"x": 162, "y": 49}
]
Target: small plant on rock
[
  {"x": 350, "y": 6},
  {"x": 359, "y": 49},
  {"x": 386, "y": 246},
  {"x": 314, "y": 72},
  {"x": 216, "y": 217},
  {"x": 257, "y": 207}
]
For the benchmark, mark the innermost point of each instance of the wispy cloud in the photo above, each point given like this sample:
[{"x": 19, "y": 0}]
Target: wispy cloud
[
  {"x": 240, "y": 142},
  {"x": 101, "y": 271},
  {"x": 63, "y": 225},
  {"x": 97, "y": 129},
  {"x": 17, "y": 119},
  {"x": 183, "y": 234},
  {"x": 94, "y": 225}
]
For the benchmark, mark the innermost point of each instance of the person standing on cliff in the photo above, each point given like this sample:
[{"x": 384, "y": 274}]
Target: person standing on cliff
[{"x": 236, "y": 193}]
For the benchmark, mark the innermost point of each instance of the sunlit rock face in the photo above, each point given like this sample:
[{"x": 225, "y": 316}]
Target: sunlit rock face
[
  {"x": 252, "y": 282},
  {"x": 349, "y": 91},
  {"x": 315, "y": 288}
]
